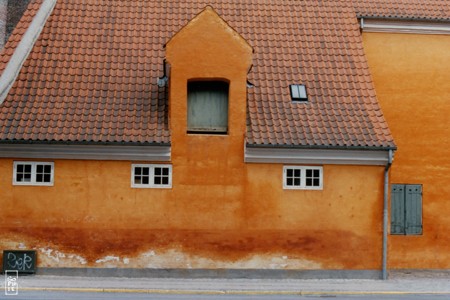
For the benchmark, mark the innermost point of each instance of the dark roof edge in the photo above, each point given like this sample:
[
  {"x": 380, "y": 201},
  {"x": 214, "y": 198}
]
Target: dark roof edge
[
  {"x": 82, "y": 143},
  {"x": 323, "y": 147},
  {"x": 400, "y": 18}
]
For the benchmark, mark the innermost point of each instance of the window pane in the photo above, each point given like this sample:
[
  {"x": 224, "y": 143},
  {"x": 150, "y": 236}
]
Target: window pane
[
  {"x": 157, "y": 180},
  {"x": 289, "y": 181},
  {"x": 137, "y": 180},
  {"x": 289, "y": 172},
  {"x": 39, "y": 178},
  {"x": 47, "y": 169},
  {"x": 23, "y": 172},
  {"x": 39, "y": 168},
  {"x": 138, "y": 171},
  {"x": 165, "y": 180},
  {"x": 297, "y": 181},
  {"x": 208, "y": 106},
  {"x": 165, "y": 171},
  {"x": 312, "y": 177},
  {"x": 308, "y": 172},
  {"x": 141, "y": 175},
  {"x": 157, "y": 171},
  {"x": 297, "y": 173},
  {"x": 295, "y": 91}
]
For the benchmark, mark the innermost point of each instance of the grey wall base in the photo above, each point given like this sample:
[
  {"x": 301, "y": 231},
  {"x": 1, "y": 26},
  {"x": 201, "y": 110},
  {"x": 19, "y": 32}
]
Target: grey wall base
[{"x": 212, "y": 273}]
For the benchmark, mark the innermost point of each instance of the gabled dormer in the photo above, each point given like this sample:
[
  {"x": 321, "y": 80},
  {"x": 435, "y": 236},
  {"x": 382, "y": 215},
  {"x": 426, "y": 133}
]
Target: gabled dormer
[{"x": 209, "y": 62}]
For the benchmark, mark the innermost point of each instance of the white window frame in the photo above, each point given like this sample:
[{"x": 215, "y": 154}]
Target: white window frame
[
  {"x": 33, "y": 181},
  {"x": 151, "y": 183},
  {"x": 302, "y": 185}
]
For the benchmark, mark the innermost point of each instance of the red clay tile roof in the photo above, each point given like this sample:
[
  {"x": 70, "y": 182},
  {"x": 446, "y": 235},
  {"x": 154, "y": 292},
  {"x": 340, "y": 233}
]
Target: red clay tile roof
[
  {"x": 92, "y": 74},
  {"x": 404, "y": 9}
]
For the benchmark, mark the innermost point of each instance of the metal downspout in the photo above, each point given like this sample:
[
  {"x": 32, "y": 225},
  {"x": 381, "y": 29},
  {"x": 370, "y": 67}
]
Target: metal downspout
[{"x": 385, "y": 215}]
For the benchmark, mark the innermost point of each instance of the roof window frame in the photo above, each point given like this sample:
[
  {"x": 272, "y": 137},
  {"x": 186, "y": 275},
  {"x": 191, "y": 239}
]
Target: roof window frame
[{"x": 298, "y": 92}]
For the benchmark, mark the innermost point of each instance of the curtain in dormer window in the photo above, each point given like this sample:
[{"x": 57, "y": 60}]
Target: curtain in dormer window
[{"x": 207, "y": 106}]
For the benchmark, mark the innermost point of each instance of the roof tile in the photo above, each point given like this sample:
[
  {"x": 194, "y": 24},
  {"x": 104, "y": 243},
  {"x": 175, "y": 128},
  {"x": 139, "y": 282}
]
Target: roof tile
[{"x": 92, "y": 74}]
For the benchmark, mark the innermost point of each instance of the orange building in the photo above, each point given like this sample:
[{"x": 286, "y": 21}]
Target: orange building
[
  {"x": 213, "y": 138},
  {"x": 412, "y": 80}
]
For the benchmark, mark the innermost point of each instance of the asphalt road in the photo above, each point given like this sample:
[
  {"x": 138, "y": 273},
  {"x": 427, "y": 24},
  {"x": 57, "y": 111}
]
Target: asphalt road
[{"x": 56, "y": 295}]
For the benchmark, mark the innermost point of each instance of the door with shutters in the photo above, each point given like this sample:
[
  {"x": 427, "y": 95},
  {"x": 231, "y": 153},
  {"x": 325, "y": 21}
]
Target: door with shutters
[{"x": 406, "y": 209}]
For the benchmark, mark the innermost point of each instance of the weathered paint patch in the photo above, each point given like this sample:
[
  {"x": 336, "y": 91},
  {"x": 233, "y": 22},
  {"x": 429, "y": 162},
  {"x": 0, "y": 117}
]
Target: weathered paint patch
[
  {"x": 48, "y": 257},
  {"x": 285, "y": 249}
]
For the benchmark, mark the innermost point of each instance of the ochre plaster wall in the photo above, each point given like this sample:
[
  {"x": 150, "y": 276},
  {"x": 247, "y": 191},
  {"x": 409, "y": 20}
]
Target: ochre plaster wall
[
  {"x": 412, "y": 79},
  {"x": 92, "y": 217},
  {"x": 220, "y": 212}
]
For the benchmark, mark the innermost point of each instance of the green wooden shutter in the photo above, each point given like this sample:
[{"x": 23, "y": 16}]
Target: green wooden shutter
[
  {"x": 413, "y": 207},
  {"x": 398, "y": 209},
  {"x": 207, "y": 106}
]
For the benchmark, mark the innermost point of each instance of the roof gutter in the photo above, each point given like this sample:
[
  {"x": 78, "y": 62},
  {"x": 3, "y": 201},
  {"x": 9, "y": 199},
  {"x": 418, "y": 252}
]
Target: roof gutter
[
  {"x": 402, "y": 25},
  {"x": 332, "y": 156},
  {"x": 22, "y": 50}
]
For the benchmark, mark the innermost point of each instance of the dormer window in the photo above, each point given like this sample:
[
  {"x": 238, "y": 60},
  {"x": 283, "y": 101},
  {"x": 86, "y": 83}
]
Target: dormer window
[
  {"x": 207, "y": 110},
  {"x": 298, "y": 92}
]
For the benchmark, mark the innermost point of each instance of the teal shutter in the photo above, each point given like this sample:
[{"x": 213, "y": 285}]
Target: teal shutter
[
  {"x": 413, "y": 203},
  {"x": 398, "y": 209}
]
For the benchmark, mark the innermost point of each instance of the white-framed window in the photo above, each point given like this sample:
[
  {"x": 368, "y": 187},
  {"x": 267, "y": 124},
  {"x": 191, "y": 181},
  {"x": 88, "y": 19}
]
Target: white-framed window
[
  {"x": 151, "y": 176},
  {"x": 33, "y": 173},
  {"x": 302, "y": 177}
]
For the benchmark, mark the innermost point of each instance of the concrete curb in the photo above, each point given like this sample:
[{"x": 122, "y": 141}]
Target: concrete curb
[{"x": 230, "y": 292}]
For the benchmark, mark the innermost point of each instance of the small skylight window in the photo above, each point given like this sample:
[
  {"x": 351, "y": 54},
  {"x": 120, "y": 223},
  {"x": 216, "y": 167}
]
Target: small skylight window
[{"x": 298, "y": 92}]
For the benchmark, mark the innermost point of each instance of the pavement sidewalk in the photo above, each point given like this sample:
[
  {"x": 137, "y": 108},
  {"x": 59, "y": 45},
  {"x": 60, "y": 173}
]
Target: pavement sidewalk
[{"x": 398, "y": 284}]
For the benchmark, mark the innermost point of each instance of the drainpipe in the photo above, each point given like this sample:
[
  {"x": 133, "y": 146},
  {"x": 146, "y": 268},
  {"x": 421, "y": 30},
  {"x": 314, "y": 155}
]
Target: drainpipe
[{"x": 385, "y": 215}]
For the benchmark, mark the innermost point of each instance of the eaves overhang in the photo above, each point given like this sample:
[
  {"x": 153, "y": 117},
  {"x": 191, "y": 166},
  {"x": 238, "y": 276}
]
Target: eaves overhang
[
  {"x": 148, "y": 152},
  {"x": 320, "y": 155}
]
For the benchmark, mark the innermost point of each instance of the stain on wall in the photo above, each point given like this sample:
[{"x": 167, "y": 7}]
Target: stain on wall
[
  {"x": 92, "y": 248},
  {"x": 91, "y": 213}
]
